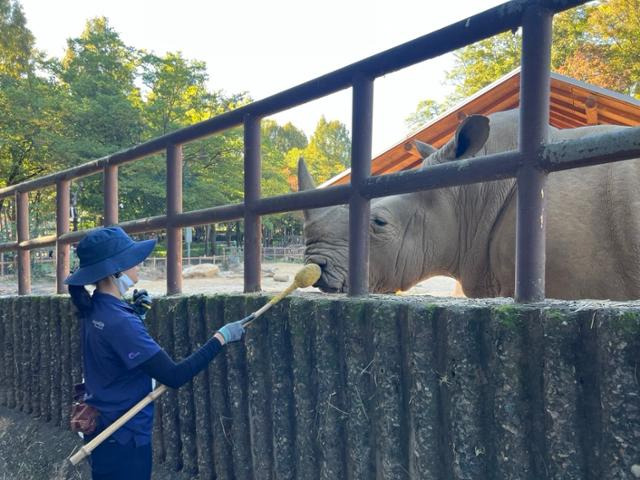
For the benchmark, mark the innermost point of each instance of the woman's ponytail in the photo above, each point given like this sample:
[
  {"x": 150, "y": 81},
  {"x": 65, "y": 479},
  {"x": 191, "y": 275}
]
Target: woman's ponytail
[{"x": 80, "y": 298}]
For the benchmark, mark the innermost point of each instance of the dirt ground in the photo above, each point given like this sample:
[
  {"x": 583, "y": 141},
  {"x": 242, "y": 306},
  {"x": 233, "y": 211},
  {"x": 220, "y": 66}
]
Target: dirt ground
[
  {"x": 34, "y": 450},
  {"x": 228, "y": 282}
]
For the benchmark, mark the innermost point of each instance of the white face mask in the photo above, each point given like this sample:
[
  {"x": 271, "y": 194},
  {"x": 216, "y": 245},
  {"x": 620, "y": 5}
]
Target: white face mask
[{"x": 123, "y": 282}]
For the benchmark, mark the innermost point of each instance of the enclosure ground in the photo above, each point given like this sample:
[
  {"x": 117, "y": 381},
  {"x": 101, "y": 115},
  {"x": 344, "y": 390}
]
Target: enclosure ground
[
  {"x": 31, "y": 449},
  {"x": 226, "y": 282}
]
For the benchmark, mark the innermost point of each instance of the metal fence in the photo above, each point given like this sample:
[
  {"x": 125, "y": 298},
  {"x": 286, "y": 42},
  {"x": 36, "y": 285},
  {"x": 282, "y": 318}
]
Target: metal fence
[
  {"x": 530, "y": 164},
  {"x": 232, "y": 256},
  {"x": 228, "y": 257}
]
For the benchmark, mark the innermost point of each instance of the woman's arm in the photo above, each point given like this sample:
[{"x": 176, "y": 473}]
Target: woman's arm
[{"x": 161, "y": 367}]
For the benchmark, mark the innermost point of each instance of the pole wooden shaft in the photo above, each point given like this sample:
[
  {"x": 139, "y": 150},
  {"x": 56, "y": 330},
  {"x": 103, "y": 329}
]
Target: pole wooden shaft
[{"x": 86, "y": 450}]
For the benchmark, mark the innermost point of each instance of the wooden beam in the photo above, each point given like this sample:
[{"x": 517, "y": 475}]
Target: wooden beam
[
  {"x": 591, "y": 109},
  {"x": 569, "y": 120}
]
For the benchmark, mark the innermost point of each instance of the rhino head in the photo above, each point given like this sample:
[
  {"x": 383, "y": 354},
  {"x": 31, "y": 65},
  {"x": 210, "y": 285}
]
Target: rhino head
[{"x": 412, "y": 236}]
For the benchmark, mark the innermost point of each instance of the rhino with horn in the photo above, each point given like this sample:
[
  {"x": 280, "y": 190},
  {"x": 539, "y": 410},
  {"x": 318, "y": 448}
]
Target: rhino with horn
[{"x": 468, "y": 232}]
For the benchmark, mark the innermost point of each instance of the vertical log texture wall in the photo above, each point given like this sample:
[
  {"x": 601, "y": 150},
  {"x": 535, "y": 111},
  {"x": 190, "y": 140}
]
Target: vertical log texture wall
[{"x": 326, "y": 388}]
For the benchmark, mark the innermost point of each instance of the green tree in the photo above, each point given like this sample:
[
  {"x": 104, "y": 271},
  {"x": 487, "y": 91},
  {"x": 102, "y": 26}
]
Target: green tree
[
  {"x": 31, "y": 131},
  {"x": 99, "y": 71},
  {"x": 425, "y": 111},
  {"x": 177, "y": 92},
  {"x": 332, "y": 141},
  {"x": 177, "y": 96},
  {"x": 482, "y": 63},
  {"x": 328, "y": 152},
  {"x": 277, "y": 141},
  {"x": 16, "y": 41},
  {"x": 277, "y": 178},
  {"x": 616, "y": 28},
  {"x": 595, "y": 43},
  {"x": 104, "y": 96}
]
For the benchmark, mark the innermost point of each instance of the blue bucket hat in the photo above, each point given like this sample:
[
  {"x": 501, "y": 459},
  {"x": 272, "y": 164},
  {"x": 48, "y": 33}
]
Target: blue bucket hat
[{"x": 106, "y": 251}]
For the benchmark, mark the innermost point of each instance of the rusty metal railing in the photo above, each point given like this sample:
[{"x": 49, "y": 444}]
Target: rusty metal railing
[{"x": 530, "y": 164}]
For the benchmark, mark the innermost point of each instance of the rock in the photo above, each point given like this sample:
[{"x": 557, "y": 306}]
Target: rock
[
  {"x": 635, "y": 469},
  {"x": 281, "y": 277},
  {"x": 268, "y": 271},
  {"x": 204, "y": 270}
]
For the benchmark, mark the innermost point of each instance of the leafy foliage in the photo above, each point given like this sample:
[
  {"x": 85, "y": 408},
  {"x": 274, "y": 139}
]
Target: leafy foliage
[
  {"x": 104, "y": 96},
  {"x": 595, "y": 43},
  {"x": 328, "y": 152}
]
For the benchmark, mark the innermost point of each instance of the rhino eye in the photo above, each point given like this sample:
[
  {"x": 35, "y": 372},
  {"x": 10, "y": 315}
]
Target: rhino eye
[{"x": 380, "y": 222}]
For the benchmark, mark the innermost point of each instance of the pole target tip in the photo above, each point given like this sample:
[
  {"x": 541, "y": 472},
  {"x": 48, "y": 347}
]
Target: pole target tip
[{"x": 307, "y": 276}]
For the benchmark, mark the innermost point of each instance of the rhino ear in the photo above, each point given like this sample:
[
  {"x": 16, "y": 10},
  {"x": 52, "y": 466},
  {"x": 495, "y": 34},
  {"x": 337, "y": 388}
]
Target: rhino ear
[
  {"x": 424, "y": 149},
  {"x": 305, "y": 182},
  {"x": 470, "y": 137}
]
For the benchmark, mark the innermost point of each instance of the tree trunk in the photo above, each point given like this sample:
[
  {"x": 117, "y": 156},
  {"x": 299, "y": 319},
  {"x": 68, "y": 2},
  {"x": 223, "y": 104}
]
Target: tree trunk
[
  {"x": 213, "y": 238},
  {"x": 207, "y": 234}
]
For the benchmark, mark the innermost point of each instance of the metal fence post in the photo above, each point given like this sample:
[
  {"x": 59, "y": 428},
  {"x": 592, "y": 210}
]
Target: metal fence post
[
  {"x": 359, "y": 206},
  {"x": 110, "y": 195},
  {"x": 252, "y": 223},
  {"x": 531, "y": 178},
  {"x": 24, "y": 257},
  {"x": 63, "y": 190},
  {"x": 174, "y": 206}
]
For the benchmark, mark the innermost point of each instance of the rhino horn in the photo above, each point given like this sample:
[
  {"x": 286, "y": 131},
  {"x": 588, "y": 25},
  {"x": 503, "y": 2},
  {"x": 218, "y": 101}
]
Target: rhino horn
[
  {"x": 424, "y": 149},
  {"x": 305, "y": 182}
]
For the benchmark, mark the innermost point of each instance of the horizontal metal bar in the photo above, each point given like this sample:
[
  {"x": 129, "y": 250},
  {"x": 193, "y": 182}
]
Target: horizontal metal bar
[
  {"x": 83, "y": 170},
  {"x": 459, "y": 172},
  {"x": 507, "y": 16},
  {"x": 143, "y": 225},
  {"x": 605, "y": 148},
  {"x": 224, "y": 213},
  {"x": 149, "y": 224},
  {"x": 88, "y": 168},
  {"x": 38, "y": 242},
  {"x": 582, "y": 152},
  {"x": 323, "y": 197},
  {"x": 8, "y": 246}
]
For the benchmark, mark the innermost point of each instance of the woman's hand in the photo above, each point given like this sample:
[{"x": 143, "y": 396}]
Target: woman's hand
[
  {"x": 231, "y": 332},
  {"x": 141, "y": 303}
]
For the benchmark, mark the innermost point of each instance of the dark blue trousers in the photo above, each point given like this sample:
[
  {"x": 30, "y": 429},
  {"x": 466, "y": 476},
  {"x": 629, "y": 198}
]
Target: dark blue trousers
[{"x": 114, "y": 461}]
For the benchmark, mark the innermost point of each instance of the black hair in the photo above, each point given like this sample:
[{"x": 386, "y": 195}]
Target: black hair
[{"x": 80, "y": 298}]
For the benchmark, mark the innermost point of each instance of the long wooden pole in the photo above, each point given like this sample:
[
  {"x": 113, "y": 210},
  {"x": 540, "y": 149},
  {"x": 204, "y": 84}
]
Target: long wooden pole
[{"x": 86, "y": 450}]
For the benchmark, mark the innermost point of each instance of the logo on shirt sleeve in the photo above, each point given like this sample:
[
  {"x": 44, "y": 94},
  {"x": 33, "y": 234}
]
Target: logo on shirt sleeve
[
  {"x": 133, "y": 355},
  {"x": 98, "y": 325}
]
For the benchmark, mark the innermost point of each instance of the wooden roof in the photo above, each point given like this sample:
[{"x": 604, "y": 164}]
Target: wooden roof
[{"x": 573, "y": 104}]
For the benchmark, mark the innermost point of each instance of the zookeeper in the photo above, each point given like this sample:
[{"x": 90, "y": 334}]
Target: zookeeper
[{"x": 119, "y": 356}]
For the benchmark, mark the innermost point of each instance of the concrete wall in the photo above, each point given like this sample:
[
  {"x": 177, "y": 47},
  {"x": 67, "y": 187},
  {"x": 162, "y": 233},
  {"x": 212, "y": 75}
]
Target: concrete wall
[{"x": 393, "y": 388}]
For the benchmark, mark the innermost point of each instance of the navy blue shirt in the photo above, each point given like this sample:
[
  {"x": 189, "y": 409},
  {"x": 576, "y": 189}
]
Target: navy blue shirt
[{"x": 115, "y": 343}]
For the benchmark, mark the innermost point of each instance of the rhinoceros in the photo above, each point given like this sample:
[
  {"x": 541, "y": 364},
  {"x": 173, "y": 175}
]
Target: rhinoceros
[{"x": 468, "y": 232}]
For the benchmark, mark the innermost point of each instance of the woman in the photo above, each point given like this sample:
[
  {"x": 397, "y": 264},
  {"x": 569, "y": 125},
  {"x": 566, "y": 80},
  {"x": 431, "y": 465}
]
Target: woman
[{"x": 119, "y": 356}]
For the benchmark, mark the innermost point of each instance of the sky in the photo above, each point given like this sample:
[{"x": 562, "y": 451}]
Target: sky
[{"x": 265, "y": 47}]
